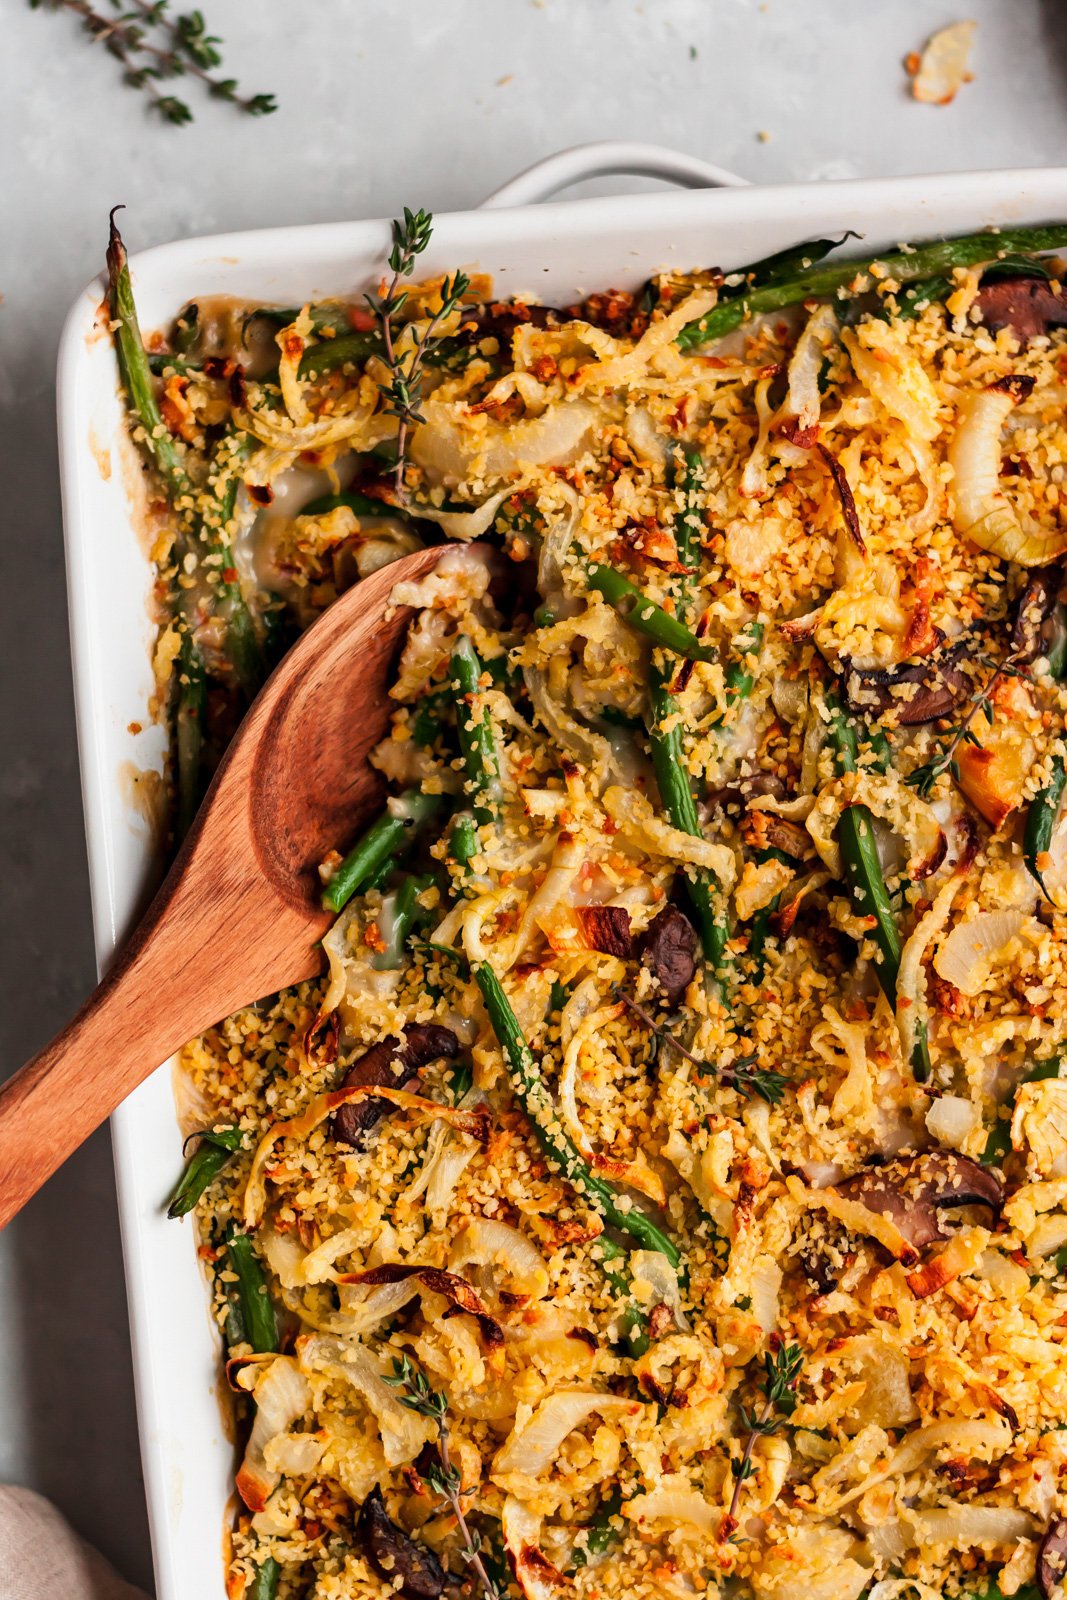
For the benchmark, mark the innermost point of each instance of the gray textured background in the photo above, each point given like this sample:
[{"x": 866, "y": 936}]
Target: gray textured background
[{"x": 430, "y": 102}]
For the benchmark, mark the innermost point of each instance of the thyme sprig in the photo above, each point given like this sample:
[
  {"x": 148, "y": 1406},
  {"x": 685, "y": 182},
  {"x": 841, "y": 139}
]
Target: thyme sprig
[
  {"x": 154, "y": 46},
  {"x": 742, "y": 1074},
  {"x": 781, "y": 1372},
  {"x": 924, "y": 778},
  {"x": 402, "y": 390},
  {"x": 440, "y": 1474}
]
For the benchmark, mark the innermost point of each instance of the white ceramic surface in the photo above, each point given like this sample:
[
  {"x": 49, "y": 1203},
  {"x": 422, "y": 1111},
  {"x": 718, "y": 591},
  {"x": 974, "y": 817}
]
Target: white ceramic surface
[{"x": 556, "y": 251}]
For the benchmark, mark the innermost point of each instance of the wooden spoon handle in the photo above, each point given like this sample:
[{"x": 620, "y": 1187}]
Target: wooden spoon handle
[{"x": 57, "y": 1099}]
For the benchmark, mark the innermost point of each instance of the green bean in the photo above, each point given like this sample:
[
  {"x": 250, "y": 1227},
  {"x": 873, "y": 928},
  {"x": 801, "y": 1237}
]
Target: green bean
[
  {"x": 1041, "y": 818},
  {"x": 676, "y": 795},
  {"x": 477, "y": 741},
  {"x": 644, "y": 615},
  {"x": 782, "y": 265},
  {"x": 667, "y": 739},
  {"x": 913, "y": 301},
  {"x": 602, "y": 1532},
  {"x": 189, "y": 728},
  {"x": 463, "y": 842},
  {"x": 832, "y": 277},
  {"x": 460, "y": 1082},
  {"x": 241, "y": 641},
  {"x": 257, "y": 1311},
  {"x": 380, "y": 841},
  {"x": 739, "y": 680},
  {"x": 264, "y": 1585},
  {"x": 553, "y": 1138},
  {"x": 137, "y": 378},
  {"x": 863, "y": 870},
  {"x": 347, "y": 349},
  {"x": 632, "y": 1323},
  {"x": 364, "y": 505},
  {"x": 206, "y": 1162},
  {"x": 404, "y": 913}
]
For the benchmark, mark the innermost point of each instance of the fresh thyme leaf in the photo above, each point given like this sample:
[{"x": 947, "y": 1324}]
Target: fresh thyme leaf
[
  {"x": 925, "y": 778},
  {"x": 781, "y": 1370},
  {"x": 742, "y": 1074},
  {"x": 439, "y": 1474},
  {"x": 152, "y": 45},
  {"x": 402, "y": 390}
]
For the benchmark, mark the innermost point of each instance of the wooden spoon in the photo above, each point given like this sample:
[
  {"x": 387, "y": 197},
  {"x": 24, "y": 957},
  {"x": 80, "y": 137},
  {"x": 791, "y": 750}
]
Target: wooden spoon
[{"x": 239, "y": 914}]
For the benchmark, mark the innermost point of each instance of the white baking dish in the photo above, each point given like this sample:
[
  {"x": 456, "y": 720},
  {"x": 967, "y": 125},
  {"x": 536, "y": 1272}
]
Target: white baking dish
[{"x": 557, "y": 252}]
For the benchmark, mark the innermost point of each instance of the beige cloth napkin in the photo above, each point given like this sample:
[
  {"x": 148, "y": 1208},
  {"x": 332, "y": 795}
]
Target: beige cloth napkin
[{"x": 42, "y": 1558}]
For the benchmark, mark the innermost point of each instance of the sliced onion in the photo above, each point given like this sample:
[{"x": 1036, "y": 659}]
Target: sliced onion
[
  {"x": 951, "y": 1120},
  {"x": 591, "y": 750},
  {"x": 534, "y": 1573},
  {"x": 682, "y": 1507},
  {"x": 803, "y": 400},
  {"x": 485, "y": 1242},
  {"x": 365, "y": 1309},
  {"x": 655, "y": 1282},
  {"x": 555, "y": 548},
  {"x": 294, "y": 1455},
  {"x": 654, "y": 346},
  {"x": 790, "y": 699},
  {"x": 962, "y": 1527},
  {"x": 532, "y": 1448},
  {"x": 765, "y": 1286},
  {"x": 982, "y": 511},
  {"x": 450, "y": 450},
  {"x": 645, "y": 437},
  {"x": 911, "y": 1007},
  {"x": 282, "y": 1394},
  {"x": 887, "y": 369},
  {"x": 470, "y": 524},
  {"x": 403, "y": 1431},
  {"x": 754, "y": 483},
  {"x": 965, "y": 957}
]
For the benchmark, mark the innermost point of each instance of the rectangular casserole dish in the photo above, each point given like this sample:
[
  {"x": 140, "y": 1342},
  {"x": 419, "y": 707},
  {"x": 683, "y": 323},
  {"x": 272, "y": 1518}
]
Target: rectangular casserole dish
[{"x": 556, "y": 253}]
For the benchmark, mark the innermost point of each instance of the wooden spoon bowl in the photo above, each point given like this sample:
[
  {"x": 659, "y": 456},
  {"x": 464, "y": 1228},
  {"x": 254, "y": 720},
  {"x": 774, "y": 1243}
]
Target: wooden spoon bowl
[{"x": 239, "y": 914}]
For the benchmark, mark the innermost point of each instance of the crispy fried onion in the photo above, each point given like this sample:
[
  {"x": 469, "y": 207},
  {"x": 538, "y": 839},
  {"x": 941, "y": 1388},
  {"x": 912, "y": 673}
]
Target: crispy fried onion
[
  {"x": 532, "y": 1448},
  {"x": 643, "y": 829},
  {"x": 474, "y": 523},
  {"x": 964, "y": 959},
  {"x": 403, "y": 1432},
  {"x": 896, "y": 803},
  {"x": 675, "y": 1503},
  {"x": 912, "y": 1010},
  {"x": 474, "y": 1121},
  {"x": 653, "y": 350},
  {"x": 981, "y": 509},
  {"x": 282, "y": 1394},
  {"x": 436, "y": 1281},
  {"x": 292, "y": 342}
]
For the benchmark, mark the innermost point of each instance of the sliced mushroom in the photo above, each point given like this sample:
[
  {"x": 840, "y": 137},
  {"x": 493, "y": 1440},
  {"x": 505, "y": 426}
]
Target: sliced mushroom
[
  {"x": 764, "y": 830},
  {"x": 1028, "y": 306},
  {"x": 389, "y": 1065},
  {"x": 1052, "y": 1559},
  {"x": 668, "y": 949},
  {"x": 402, "y": 1562},
  {"x": 939, "y": 684},
  {"x": 606, "y": 928},
  {"x": 1034, "y": 625},
  {"x": 912, "y": 1191}
]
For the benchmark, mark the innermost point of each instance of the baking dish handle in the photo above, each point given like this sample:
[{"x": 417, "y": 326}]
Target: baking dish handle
[{"x": 608, "y": 158}]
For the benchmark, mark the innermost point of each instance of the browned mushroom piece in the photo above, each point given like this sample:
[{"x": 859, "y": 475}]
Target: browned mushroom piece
[
  {"x": 668, "y": 949},
  {"x": 1028, "y": 306},
  {"x": 939, "y": 684},
  {"x": 1032, "y": 631},
  {"x": 763, "y": 830},
  {"x": 606, "y": 928},
  {"x": 1052, "y": 1560},
  {"x": 389, "y": 1065},
  {"x": 403, "y": 1563},
  {"x": 912, "y": 1191}
]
